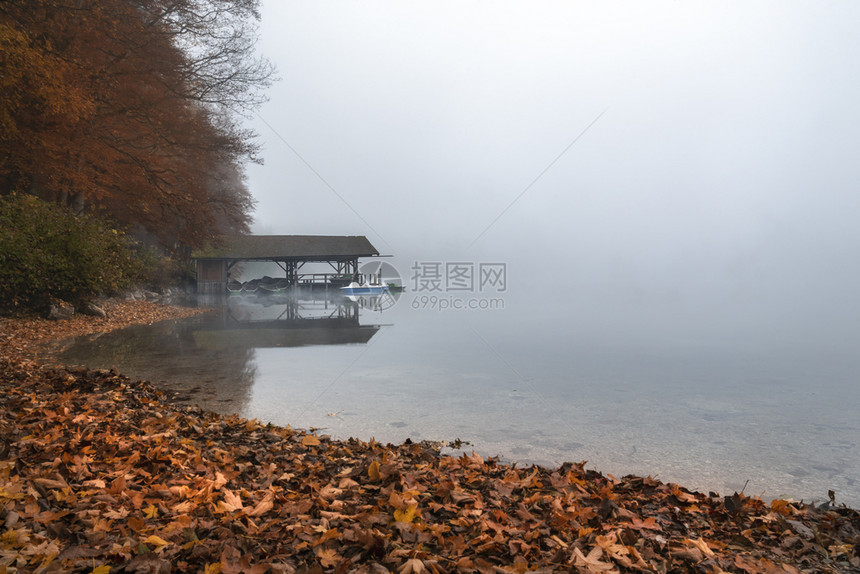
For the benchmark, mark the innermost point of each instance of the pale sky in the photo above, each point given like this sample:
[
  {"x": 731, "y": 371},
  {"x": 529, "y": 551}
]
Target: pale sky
[{"x": 723, "y": 161}]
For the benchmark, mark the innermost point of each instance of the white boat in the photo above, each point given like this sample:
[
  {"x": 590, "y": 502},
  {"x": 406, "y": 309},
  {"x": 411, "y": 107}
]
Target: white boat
[{"x": 356, "y": 289}]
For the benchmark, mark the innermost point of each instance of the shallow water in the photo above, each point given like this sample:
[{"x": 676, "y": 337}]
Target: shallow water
[{"x": 529, "y": 384}]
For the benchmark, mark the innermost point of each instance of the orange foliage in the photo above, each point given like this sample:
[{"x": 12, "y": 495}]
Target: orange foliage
[{"x": 102, "y": 109}]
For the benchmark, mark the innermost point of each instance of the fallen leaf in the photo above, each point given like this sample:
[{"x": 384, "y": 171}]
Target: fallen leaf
[
  {"x": 310, "y": 440},
  {"x": 373, "y": 471},
  {"x": 592, "y": 561},
  {"x": 156, "y": 541},
  {"x": 408, "y": 514},
  {"x": 412, "y": 566},
  {"x": 328, "y": 557},
  {"x": 263, "y": 506},
  {"x": 231, "y": 503}
]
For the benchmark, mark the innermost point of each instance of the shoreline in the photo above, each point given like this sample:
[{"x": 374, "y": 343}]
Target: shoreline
[
  {"x": 99, "y": 470},
  {"x": 23, "y": 336}
]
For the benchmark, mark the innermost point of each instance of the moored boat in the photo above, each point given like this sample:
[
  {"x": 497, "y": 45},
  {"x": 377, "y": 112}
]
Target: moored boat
[
  {"x": 356, "y": 289},
  {"x": 274, "y": 287}
]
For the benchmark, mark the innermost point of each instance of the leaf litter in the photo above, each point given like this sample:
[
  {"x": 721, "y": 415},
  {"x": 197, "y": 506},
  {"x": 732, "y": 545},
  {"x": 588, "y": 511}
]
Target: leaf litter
[{"x": 102, "y": 474}]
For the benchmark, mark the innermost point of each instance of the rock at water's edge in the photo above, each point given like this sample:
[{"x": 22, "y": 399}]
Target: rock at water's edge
[
  {"x": 93, "y": 310},
  {"x": 59, "y": 310}
]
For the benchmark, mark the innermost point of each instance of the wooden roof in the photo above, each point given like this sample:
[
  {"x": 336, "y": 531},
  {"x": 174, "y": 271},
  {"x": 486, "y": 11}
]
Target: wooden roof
[{"x": 287, "y": 247}]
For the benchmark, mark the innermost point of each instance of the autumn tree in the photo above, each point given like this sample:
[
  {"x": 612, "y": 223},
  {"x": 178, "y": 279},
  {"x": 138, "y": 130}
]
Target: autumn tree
[{"x": 132, "y": 109}]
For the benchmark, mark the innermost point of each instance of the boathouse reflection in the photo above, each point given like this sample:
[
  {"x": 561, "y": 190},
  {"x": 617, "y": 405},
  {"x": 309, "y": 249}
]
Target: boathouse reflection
[
  {"x": 286, "y": 321},
  {"x": 209, "y": 360}
]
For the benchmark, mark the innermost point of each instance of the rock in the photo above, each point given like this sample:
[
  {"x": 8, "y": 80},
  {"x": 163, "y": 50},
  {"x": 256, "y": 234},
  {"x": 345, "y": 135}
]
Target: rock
[
  {"x": 59, "y": 310},
  {"x": 93, "y": 310},
  {"x": 141, "y": 295}
]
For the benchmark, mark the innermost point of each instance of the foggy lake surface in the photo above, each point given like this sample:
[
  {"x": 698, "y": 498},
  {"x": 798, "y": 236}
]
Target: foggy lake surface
[{"x": 627, "y": 390}]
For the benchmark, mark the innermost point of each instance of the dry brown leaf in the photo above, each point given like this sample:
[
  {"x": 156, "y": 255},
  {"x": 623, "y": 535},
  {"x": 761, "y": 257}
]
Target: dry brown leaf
[{"x": 310, "y": 440}]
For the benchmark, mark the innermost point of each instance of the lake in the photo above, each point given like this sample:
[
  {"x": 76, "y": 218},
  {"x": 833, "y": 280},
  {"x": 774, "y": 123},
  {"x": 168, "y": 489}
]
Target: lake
[{"x": 543, "y": 383}]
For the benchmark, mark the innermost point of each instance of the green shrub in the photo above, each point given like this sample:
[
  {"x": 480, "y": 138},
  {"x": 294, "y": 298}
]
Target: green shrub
[{"x": 47, "y": 251}]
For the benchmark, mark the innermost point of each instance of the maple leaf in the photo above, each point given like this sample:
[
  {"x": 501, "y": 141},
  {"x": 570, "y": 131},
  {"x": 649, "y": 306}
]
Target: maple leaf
[
  {"x": 16, "y": 537},
  {"x": 413, "y": 565},
  {"x": 231, "y": 502},
  {"x": 103, "y": 569},
  {"x": 592, "y": 561},
  {"x": 328, "y": 557},
  {"x": 183, "y": 507},
  {"x": 330, "y": 534},
  {"x": 117, "y": 514},
  {"x": 408, "y": 514},
  {"x": 117, "y": 486}
]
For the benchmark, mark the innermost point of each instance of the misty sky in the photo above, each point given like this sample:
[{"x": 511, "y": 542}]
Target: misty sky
[{"x": 721, "y": 161}]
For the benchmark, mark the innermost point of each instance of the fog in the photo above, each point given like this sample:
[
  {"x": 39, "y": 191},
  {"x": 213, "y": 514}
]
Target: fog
[{"x": 688, "y": 168}]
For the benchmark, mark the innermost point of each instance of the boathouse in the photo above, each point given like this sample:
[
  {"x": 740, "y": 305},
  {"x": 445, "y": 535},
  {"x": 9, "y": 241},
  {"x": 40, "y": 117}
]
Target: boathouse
[{"x": 289, "y": 252}]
